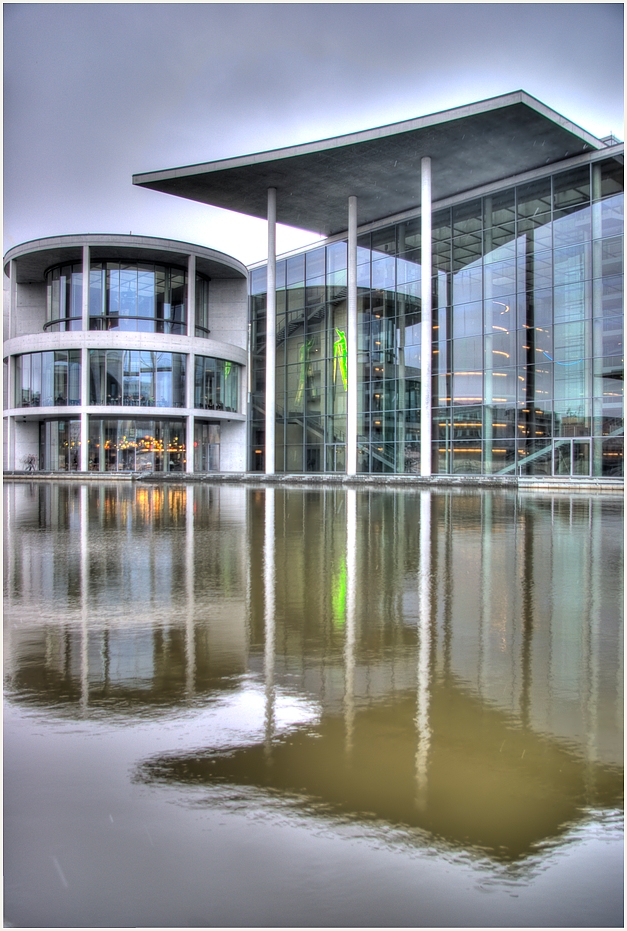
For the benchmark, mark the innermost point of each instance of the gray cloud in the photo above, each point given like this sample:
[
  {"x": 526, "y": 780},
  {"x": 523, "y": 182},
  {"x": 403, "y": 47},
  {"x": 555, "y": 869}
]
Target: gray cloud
[{"x": 96, "y": 92}]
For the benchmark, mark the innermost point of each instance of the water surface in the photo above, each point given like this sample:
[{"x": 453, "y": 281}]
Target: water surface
[{"x": 312, "y": 707}]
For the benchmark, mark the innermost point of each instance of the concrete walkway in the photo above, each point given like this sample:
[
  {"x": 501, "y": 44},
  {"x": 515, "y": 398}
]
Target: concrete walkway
[{"x": 551, "y": 483}]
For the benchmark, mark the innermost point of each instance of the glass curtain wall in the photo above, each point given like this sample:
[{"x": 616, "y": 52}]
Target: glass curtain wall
[
  {"x": 136, "y": 445},
  {"x": 257, "y": 408},
  {"x": 311, "y": 378},
  {"x": 527, "y": 338},
  {"x": 48, "y": 379},
  {"x": 134, "y": 296},
  {"x": 206, "y": 447},
  {"x": 216, "y": 384},
  {"x": 131, "y": 377},
  {"x": 64, "y": 298},
  {"x": 202, "y": 306},
  {"x": 528, "y": 351},
  {"x": 59, "y": 445}
]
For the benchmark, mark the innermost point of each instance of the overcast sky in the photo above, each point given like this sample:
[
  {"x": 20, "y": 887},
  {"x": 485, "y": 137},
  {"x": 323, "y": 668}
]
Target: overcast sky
[{"x": 97, "y": 92}]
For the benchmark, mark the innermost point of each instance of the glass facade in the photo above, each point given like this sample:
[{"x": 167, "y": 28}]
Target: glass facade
[
  {"x": 216, "y": 384},
  {"x": 206, "y": 447},
  {"x": 137, "y": 296},
  {"x": 202, "y": 307},
  {"x": 136, "y": 445},
  {"x": 527, "y": 346},
  {"x": 138, "y": 378},
  {"x": 48, "y": 379},
  {"x": 64, "y": 298},
  {"x": 59, "y": 445},
  {"x": 130, "y": 296}
]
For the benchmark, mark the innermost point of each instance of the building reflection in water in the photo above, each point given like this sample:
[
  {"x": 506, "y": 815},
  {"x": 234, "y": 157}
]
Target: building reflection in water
[{"x": 463, "y": 650}]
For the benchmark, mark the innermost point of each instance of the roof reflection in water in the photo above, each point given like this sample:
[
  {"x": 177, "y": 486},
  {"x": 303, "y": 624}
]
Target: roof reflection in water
[
  {"x": 463, "y": 649},
  {"x": 490, "y": 784}
]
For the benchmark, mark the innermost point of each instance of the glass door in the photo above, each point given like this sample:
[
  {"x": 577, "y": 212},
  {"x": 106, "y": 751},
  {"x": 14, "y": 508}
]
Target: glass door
[
  {"x": 336, "y": 458},
  {"x": 562, "y": 456},
  {"x": 571, "y": 457},
  {"x": 580, "y": 457}
]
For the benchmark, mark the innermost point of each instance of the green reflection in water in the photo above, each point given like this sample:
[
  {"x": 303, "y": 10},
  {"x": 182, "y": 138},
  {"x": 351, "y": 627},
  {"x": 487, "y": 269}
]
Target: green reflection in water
[{"x": 338, "y": 595}]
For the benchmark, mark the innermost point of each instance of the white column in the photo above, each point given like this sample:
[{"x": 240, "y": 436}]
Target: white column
[
  {"x": 84, "y": 453},
  {"x": 351, "y": 400},
  {"x": 597, "y": 332},
  {"x": 11, "y": 401},
  {"x": 400, "y": 437},
  {"x": 426, "y": 326},
  {"x": 189, "y": 404},
  {"x": 269, "y": 590},
  {"x": 191, "y": 295},
  {"x": 488, "y": 359},
  {"x": 10, "y": 443},
  {"x": 85, "y": 291},
  {"x": 271, "y": 334}
]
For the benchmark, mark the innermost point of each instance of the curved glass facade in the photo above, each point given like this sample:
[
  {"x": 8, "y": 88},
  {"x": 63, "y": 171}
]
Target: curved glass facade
[
  {"x": 216, "y": 384},
  {"x": 137, "y": 296},
  {"x": 136, "y": 445},
  {"x": 137, "y": 378},
  {"x": 130, "y": 296},
  {"x": 64, "y": 297},
  {"x": 527, "y": 348},
  {"x": 202, "y": 307},
  {"x": 48, "y": 379}
]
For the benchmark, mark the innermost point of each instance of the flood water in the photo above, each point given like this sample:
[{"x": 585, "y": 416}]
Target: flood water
[{"x": 232, "y": 706}]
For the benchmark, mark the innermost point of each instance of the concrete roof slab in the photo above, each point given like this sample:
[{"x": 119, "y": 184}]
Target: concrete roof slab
[{"x": 469, "y": 146}]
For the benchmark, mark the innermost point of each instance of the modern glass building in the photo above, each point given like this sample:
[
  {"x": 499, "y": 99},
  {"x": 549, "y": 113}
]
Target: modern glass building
[
  {"x": 124, "y": 353},
  {"x": 464, "y": 314},
  {"x": 526, "y": 337}
]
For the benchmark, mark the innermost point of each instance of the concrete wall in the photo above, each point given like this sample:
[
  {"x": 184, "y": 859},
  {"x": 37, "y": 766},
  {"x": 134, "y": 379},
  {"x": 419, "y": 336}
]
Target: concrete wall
[
  {"x": 6, "y": 303},
  {"x": 228, "y": 311},
  {"x": 233, "y": 446},
  {"x": 31, "y": 309},
  {"x": 26, "y": 440}
]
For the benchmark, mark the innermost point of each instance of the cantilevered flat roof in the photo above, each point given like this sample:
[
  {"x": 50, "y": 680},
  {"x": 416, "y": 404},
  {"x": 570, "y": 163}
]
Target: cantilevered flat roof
[{"x": 469, "y": 146}]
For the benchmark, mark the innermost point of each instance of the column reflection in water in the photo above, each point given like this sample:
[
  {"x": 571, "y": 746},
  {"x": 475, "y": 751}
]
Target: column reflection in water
[
  {"x": 190, "y": 637},
  {"x": 424, "y": 651},
  {"x": 594, "y": 545},
  {"x": 349, "y": 642},
  {"x": 486, "y": 590},
  {"x": 269, "y": 617},
  {"x": 84, "y": 589}
]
